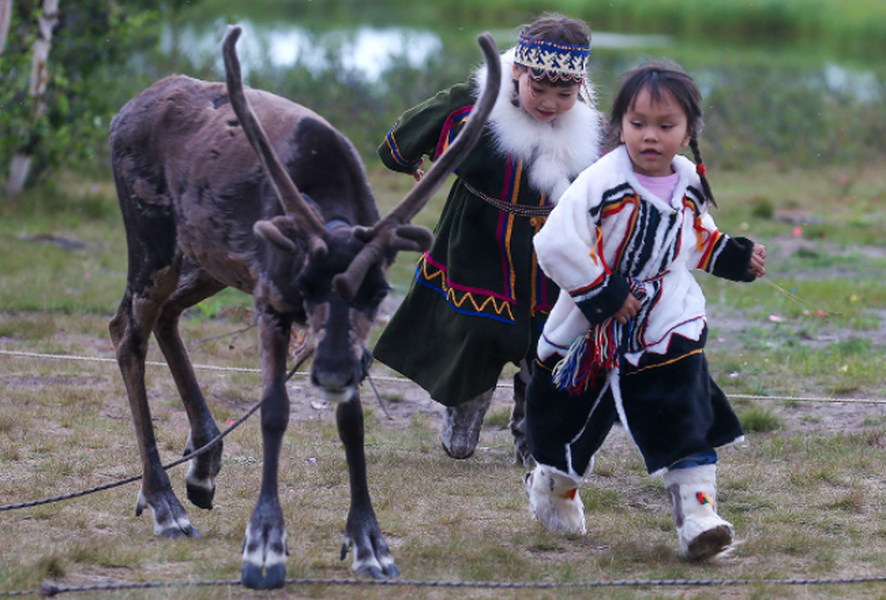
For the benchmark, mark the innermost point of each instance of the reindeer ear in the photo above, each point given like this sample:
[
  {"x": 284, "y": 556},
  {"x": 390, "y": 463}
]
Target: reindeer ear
[{"x": 270, "y": 233}]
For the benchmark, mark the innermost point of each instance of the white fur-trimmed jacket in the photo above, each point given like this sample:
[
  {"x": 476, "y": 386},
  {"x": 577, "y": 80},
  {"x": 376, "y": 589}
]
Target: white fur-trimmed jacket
[{"x": 609, "y": 236}]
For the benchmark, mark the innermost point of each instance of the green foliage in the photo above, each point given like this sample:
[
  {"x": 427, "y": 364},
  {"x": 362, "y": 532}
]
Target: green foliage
[
  {"x": 363, "y": 110},
  {"x": 778, "y": 100},
  {"x": 854, "y": 26},
  {"x": 789, "y": 116},
  {"x": 94, "y": 42}
]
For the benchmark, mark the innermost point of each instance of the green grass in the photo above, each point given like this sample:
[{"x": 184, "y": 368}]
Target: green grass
[
  {"x": 803, "y": 490},
  {"x": 64, "y": 249},
  {"x": 804, "y": 504}
]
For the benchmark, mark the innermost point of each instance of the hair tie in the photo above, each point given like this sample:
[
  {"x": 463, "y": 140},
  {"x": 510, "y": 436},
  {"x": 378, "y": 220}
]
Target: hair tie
[{"x": 700, "y": 169}]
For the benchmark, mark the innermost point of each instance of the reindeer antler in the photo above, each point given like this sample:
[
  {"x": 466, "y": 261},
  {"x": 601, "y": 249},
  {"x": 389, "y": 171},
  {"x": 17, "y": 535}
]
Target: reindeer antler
[
  {"x": 393, "y": 230},
  {"x": 306, "y": 216}
]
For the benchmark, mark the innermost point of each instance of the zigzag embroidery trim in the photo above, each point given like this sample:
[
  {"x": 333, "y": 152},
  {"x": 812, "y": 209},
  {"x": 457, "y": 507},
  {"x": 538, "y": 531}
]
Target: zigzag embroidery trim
[{"x": 437, "y": 280}]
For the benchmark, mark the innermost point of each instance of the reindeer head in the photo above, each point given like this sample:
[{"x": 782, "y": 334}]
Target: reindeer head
[{"x": 342, "y": 279}]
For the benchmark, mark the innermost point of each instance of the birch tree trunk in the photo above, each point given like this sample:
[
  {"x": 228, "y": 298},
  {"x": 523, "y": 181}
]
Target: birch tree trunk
[
  {"x": 21, "y": 161},
  {"x": 5, "y": 22}
]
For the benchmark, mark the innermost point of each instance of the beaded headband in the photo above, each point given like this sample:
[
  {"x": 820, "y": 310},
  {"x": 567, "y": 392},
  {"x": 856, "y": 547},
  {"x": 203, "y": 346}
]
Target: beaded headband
[{"x": 558, "y": 61}]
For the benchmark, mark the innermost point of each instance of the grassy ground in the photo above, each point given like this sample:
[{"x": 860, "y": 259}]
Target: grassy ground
[{"x": 805, "y": 491}]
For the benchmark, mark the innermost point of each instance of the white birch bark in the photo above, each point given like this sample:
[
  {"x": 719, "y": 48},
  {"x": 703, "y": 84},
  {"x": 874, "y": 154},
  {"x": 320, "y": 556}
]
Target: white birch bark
[{"x": 21, "y": 161}]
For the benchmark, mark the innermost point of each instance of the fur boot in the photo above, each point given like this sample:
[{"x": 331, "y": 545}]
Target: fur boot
[
  {"x": 461, "y": 425},
  {"x": 703, "y": 534},
  {"x": 554, "y": 500},
  {"x": 522, "y": 456}
]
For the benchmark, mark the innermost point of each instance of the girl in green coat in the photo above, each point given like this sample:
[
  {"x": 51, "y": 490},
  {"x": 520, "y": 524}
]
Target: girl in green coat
[{"x": 479, "y": 299}]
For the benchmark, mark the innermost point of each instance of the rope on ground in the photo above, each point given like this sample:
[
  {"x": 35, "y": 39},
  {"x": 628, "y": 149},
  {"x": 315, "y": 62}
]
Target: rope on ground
[
  {"x": 49, "y": 589},
  {"x": 403, "y": 380},
  {"x": 202, "y": 450}
]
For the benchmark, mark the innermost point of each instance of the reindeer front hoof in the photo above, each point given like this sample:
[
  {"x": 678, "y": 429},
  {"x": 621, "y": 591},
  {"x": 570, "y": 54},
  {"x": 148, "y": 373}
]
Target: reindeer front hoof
[
  {"x": 373, "y": 572},
  {"x": 177, "y": 532},
  {"x": 265, "y": 551},
  {"x": 200, "y": 496},
  {"x": 201, "y": 476},
  {"x": 170, "y": 519},
  {"x": 372, "y": 558},
  {"x": 256, "y": 578}
]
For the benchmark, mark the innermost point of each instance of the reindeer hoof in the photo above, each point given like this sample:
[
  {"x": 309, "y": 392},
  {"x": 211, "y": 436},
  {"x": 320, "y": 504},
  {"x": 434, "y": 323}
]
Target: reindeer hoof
[
  {"x": 373, "y": 572},
  {"x": 391, "y": 571},
  {"x": 253, "y": 577},
  {"x": 174, "y": 533},
  {"x": 387, "y": 572},
  {"x": 200, "y": 496}
]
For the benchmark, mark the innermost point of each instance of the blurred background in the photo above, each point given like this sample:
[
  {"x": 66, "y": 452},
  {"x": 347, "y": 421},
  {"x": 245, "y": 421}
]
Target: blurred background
[
  {"x": 794, "y": 137},
  {"x": 794, "y": 82}
]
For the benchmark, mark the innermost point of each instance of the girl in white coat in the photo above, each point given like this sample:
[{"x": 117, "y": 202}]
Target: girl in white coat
[{"x": 625, "y": 339}]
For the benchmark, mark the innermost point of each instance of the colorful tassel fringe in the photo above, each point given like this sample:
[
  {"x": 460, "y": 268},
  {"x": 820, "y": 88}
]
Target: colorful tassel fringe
[{"x": 593, "y": 353}]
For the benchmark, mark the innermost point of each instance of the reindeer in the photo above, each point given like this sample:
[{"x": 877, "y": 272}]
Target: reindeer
[{"x": 221, "y": 186}]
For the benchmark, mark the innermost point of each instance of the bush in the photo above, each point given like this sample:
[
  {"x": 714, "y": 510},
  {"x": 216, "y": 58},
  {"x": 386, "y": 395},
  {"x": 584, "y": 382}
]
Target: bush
[{"x": 91, "y": 47}]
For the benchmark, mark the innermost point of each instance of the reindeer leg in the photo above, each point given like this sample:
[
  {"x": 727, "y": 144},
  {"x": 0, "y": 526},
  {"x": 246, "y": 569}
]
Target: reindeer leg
[
  {"x": 194, "y": 285},
  {"x": 264, "y": 549},
  {"x": 130, "y": 329},
  {"x": 371, "y": 553}
]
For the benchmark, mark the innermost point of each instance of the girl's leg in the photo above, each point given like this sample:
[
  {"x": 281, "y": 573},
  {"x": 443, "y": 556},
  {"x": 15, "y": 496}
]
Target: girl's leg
[
  {"x": 460, "y": 431},
  {"x": 563, "y": 432},
  {"x": 522, "y": 457},
  {"x": 554, "y": 500},
  {"x": 703, "y": 534}
]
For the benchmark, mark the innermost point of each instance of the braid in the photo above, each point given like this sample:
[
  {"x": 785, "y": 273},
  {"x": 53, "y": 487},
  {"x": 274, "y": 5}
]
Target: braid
[{"x": 693, "y": 144}]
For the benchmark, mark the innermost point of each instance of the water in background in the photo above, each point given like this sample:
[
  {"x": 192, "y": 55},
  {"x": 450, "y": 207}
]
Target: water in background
[
  {"x": 366, "y": 48},
  {"x": 766, "y": 99}
]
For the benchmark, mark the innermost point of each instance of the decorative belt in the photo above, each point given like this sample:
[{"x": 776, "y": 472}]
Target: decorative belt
[{"x": 521, "y": 210}]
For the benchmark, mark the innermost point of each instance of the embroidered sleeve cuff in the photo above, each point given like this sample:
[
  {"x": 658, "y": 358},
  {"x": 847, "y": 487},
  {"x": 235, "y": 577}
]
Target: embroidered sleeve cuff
[
  {"x": 734, "y": 259},
  {"x": 602, "y": 299},
  {"x": 389, "y": 152}
]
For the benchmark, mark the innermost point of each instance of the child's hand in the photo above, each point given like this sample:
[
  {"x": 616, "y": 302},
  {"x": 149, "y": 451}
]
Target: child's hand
[
  {"x": 628, "y": 310},
  {"x": 418, "y": 173},
  {"x": 758, "y": 261}
]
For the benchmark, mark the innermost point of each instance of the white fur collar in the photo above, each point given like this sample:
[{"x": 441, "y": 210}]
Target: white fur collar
[{"x": 555, "y": 152}]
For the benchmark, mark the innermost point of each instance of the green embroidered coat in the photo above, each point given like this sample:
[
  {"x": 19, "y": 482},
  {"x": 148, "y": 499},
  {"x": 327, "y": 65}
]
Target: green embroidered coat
[{"x": 479, "y": 299}]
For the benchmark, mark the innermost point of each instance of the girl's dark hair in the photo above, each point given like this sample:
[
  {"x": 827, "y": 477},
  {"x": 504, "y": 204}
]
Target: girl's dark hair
[
  {"x": 554, "y": 27},
  {"x": 659, "y": 78}
]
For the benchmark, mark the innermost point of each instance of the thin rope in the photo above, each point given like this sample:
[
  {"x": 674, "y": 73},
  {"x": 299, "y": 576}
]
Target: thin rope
[
  {"x": 378, "y": 397},
  {"x": 791, "y": 296},
  {"x": 152, "y": 363},
  {"x": 502, "y": 384},
  {"x": 49, "y": 589},
  {"x": 811, "y": 399},
  {"x": 200, "y": 451}
]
